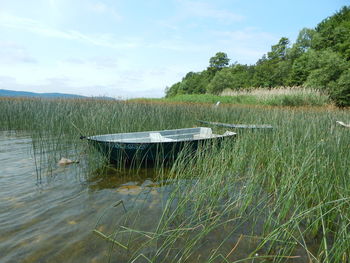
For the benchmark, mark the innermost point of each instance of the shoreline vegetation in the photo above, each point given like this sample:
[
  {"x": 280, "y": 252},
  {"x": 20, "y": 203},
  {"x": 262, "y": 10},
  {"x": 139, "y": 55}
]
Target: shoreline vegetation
[
  {"x": 279, "y": 196},
  {"x": 281, "y": 96},
  {"x": 319, "y": 60}
]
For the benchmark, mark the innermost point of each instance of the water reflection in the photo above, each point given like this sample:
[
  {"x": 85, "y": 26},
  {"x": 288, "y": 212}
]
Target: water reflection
[{"x": 112, "y": 177}]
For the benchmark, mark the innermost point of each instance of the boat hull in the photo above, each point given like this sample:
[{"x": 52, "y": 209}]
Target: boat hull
[
  {"x": 154, "y": 146},
  {"x": 151, "y": 153}
]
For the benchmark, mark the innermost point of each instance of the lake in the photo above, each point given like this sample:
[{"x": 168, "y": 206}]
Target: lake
[
  {"x": 53, "y": 213},
  {"x": 52, "y": 220}
]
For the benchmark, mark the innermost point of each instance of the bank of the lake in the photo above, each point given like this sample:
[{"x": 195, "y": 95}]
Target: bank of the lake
[{"x": 283, "y": 97}]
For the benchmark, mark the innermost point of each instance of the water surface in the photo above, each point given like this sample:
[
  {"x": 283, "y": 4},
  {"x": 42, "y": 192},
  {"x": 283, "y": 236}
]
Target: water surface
[{"x": 52, "y": 220}]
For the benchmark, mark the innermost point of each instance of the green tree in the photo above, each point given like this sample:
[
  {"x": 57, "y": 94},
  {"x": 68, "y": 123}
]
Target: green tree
[
  {"x": 273, "y": 70},
  {"x": 194, "y": 83},
  {"x": 243, "y": 76},
  {"x": 236, "y": 77},
  {"x": 302, "y": 67},
  {"x": 187, "y": 83},
  {"x": 173, "y": 90},
  {"x": 279, "y": 51},
  {"x": 341, "y": 91},
  {"x": 302, "y": 44},
  {"x": 218, "y": 62},
  {"x": 203, "y": 81},
  {"x": 263, "y": 73},
  {"x": 325, "y": 68},
  {"x": 222, "y": 80},
  {"x": 334, "y": 33},
  {"x": 319, "y": 59},
  {"x": 304, "y": 39},
  {"x": 281, "y": 73}
]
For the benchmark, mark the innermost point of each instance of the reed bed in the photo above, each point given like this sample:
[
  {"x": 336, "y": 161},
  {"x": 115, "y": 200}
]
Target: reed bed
[
  {"x": 269, "y": 196},
  {"x": 283, "y": 96},
  {"x": 265, "y": 92}
]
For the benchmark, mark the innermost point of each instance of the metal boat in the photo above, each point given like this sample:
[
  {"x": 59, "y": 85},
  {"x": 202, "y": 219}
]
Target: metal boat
[{"x": 154, "y": 146}]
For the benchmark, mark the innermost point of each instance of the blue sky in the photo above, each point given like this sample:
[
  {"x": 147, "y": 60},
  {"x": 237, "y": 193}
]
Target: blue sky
[{"x": 136, "y": 48}]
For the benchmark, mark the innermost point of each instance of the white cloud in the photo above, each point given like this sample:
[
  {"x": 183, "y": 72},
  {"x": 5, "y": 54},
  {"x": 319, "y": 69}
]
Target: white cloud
[
  {"x": 98, "y": 62},
  {"x": 102, "y": 8},
  {"x": 246, "y": 45},
  {"x": 54, "y": 85},
  {"x": 5, "y": 81},
  {"x": 84, "y": 77},
  {"x": 98, "y": 7},
  {"x": 50, "y": 86},
  {"x": 12, "y": 53},
  {"x": 127, "y": 65},
  {"x": 178, "y": 45},
  {"x": 31, "y": 25},
  {"x": 246, "y": 34},
  {"x": 206, "y": 10}
]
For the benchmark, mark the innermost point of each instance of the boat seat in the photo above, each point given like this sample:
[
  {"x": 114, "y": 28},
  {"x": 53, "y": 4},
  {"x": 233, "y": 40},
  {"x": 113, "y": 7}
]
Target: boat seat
[
  {"x": 204, "y": 133},
  {"x": 157, "y": 137}
]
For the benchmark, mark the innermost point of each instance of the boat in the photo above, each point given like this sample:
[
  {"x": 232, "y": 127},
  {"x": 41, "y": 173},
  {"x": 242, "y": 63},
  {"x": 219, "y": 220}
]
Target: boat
[
  {"x": 237, "y": 126},
  {"x": 154, "y": 146},
  {"x": 343, "y": 124}
]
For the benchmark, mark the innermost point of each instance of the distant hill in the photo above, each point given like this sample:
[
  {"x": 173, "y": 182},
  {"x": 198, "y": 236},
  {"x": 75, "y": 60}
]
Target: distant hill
[{"x": 13, "y": 93}]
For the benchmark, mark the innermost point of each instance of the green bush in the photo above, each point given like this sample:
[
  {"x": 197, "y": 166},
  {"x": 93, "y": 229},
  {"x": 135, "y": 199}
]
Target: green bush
[{"x": 341, "y": 92}]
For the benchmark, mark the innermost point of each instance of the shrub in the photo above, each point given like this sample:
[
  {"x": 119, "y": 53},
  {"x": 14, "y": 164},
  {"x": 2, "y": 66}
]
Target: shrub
[{"x": 340, "y": 94}]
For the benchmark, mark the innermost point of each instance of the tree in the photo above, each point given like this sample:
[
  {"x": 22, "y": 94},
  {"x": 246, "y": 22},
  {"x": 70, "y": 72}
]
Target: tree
[
  {"x": 173, "y": 90},
  {"x": 281, "y": 73},
  {"x": 341, "y": 92},
  {"x": 236, "y": 77},
  {"x": 222, "y": 80},
  {"x": 263, "y": 73},
  {"x": 325, "y": 68},
  {"x": 304, "y": 39},
  {"x": 218, "y": 62},
  {"x": 202, "y": 83},
  {"x": 302, "y": 44},
  {"x": 243, "y": 76},
  {"x": 273, "y": 70},
  {"x": 187, "y": 83},
  {"x": 194, "y": 83},
  {"x": 279, "y": 51},
  {"x": 320, "y": 58},
  {"x": 334, "y": 33},
  {"x": 302, "y": 67}
]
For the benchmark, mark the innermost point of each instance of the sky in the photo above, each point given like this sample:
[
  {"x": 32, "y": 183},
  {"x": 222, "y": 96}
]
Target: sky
[{"x": 134, "y": 48}]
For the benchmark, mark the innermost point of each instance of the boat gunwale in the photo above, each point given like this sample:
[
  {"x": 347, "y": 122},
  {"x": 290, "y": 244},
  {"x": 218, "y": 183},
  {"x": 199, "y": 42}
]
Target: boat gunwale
[
  {"x": 216, "y": 136},
  {"x": 179, "y": 141}
]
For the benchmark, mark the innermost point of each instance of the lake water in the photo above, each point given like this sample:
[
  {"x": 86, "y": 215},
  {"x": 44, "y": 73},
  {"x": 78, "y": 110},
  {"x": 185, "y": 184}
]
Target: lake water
[{"x": 52, "y": 219}]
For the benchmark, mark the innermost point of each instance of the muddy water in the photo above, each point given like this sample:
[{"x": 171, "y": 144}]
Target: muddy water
[{"x": 52, "y": 221}]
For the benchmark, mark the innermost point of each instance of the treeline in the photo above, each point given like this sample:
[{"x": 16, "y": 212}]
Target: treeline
[{"x": 319, "y": 59}]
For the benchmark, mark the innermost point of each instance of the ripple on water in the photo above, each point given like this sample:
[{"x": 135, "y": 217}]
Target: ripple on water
[{"x": 53, "y": 221}]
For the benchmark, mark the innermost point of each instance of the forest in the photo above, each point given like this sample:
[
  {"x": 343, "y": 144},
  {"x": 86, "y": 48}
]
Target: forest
[{"x": 319, "y": 59}]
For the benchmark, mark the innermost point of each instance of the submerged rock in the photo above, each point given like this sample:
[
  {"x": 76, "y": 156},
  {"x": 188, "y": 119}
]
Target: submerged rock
[
  {"x": 65, "y": 161},
  {"x": 129, "y": 189}
]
